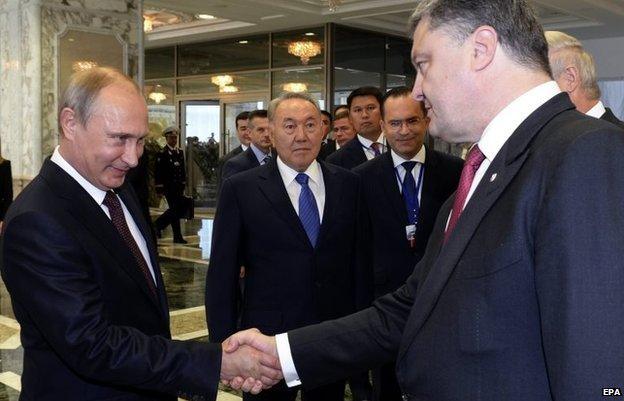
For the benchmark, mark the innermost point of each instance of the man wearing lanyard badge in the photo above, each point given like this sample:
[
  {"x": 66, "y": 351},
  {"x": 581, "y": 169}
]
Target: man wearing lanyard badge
[{"x": 400, "y": 208}]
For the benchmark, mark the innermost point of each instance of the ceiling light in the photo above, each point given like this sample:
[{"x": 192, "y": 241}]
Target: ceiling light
[
  {"x": 157, "y": 97},
  {"x": 83, "y": 65},
  {"x": 310, "y": 34},
  {"x": 296, "y": 87},
  {"x": 206, "y": 16},
  {"x": 222, "y": 80},
  {"x": 305, "y": 49},
  {"x": 333, "y": 4},
  {"x": 243, "y": 42},
  {"x": 228, "y": 89},
  {"x": 148, "y": 24}
]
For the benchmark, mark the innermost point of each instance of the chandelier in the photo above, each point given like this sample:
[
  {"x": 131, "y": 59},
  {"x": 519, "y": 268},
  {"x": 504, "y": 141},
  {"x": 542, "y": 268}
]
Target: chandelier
[
  {"x": 83, "y": 65},
  {"x": 333, "y": 4},
  {"x": 157, "y": 97},
  {"x": 296, "y": 87},
  {"x": 222, "y": 80},
  {"x": 304, "y": 49},
  {"x": 228, "y": 89}
]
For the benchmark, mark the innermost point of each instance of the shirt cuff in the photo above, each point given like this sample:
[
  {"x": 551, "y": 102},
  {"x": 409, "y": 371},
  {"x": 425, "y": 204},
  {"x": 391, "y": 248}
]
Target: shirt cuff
[{"x": 286, "y": 361}]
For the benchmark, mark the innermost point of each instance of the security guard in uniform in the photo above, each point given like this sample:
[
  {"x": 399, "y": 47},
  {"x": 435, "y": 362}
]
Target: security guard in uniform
[{"x": 170, "y": 179}]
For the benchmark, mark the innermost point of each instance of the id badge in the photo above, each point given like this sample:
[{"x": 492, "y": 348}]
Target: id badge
[{"x": 410, "y": 234}]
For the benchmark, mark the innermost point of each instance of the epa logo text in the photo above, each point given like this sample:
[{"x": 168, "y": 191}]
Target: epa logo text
[{"x": 611, "y": 392}]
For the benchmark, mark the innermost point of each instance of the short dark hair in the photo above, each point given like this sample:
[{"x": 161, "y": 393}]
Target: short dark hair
[
  {"x": 342, "y": 113},
  {"x": 260, "y": 113},
  {"x": 244, "y": 115},
  {"x": 365, "y": 91},
  {"x": 515, "y": 21},
  {"x": 328, "y": 114},
  {"x": 341, "y": 106},
  {"x": 400, "y": 91}
]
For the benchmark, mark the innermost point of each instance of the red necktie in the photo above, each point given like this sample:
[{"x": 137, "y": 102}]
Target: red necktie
[
  {"x": 471, "y": 165},
  {"x": 119, "y": 221}
]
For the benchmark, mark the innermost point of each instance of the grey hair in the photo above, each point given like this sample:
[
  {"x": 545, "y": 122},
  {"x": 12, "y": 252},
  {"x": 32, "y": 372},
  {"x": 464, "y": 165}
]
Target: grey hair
[
  {"x": 515, "y": 22},
  {"x": 566, "y": 50},
  {"x": 85, "y": 86},
  {"x": 287, "y": 96}
]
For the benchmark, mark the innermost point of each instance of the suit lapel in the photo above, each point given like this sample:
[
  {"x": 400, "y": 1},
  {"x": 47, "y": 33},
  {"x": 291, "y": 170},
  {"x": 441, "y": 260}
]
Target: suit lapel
[
  {"x": 387, "y": 177},
  {"x": 356, "y": 152},
  {"x": 272, "y": 186},
  {"x": 333, "y": 195},
  {"x": 431, "y": 180},
  {"x": 505, "y": 165},
  {"x": 82, "y": 206}
]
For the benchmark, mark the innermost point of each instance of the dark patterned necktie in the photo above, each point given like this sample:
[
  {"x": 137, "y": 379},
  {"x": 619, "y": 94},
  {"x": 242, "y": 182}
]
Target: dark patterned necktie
[
  {"x": 410, "y": 196},
  {"x": 119, "y": 221},
  {"x": 471, "y": 165},
  {"x": 376, "y": 147}
]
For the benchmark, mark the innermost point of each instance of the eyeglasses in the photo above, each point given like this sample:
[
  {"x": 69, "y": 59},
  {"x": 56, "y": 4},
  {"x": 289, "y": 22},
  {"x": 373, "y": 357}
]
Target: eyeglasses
[{"x": 411, "y": 123}]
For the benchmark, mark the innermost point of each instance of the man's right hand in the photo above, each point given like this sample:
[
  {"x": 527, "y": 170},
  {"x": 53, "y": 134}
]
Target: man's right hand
[{"x": 264, "y": 349}]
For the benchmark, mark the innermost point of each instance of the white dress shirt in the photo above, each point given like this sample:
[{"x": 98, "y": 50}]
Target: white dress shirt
[
  {"x": 316, "y": 184},
  {"x": 244, "y": 147},
  {"x": 98, "y": 196},
  {"x": 398, "y": 165},
  {"x": 597, "y": 111},
  {"x": 366, "y": 145},
  {"x": 492, "y": 140}
]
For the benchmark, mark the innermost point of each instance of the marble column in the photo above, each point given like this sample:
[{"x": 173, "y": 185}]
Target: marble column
[{"x": 30, "y": 31}]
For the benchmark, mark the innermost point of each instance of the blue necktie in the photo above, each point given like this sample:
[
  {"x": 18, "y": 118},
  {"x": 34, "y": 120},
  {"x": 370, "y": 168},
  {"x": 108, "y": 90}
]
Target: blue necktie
[
  {"x": 308, "y": 212},
  {"x": 410, "y": 196}
]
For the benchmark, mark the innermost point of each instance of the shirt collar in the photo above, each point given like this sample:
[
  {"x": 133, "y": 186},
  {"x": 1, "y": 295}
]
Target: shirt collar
[
  {"x": 597, "y": 111},
  {"x": 260, "y": 155},
  {"x": 419, "y": 157},
  {"x": 367, "y": 142},
  {"x": 96, "y": 193},
  {"x": 173, "y": 149},
  {"x": 288, "y": 174},
  {"x": 244, "y": 147},
  {"x": 509, "y": 119}
]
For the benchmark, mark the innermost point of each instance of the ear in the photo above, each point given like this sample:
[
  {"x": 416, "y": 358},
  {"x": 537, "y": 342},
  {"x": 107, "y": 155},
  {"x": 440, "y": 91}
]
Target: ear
[
  {"x": 383, "y": 125},
  {"x": 69, "y": 123},
  {"x": 271, "y": 131},
  {"x": 569, "y": 79},
  {"x": 484, "y": 45}
]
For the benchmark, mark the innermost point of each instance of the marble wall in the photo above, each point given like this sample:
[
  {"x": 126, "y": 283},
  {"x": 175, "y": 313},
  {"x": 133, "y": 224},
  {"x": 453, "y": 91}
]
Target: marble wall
[{"x": 29, "y": 68}]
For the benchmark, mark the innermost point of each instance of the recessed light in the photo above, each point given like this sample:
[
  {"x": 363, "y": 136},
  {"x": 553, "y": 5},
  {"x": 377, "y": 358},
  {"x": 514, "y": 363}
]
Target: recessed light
[
  {"x": 206, "y": 16},
  {"x": 310, "y": 34},
  {"x": 243, "y": 42}
]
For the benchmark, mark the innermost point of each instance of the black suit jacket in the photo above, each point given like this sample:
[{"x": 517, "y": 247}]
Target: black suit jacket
[
  {"x": 327, "y": 148},
  {"x": 236, "y": 151},
  {"x": 6, "y": 187},
  {"x": 243, "y": 161},
  {"x": 524, "y": 301},
  {"x": 610, "y": 117},
  {"x": 90, "y": 328},
  {"x": 383, "y": 228},
  {"x": 348, "y": 156},
  {"x": 288, "y": 283}
]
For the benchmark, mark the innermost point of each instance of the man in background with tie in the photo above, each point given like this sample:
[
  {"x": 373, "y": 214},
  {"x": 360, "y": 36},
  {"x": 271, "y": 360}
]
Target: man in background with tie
[
  {"x": 403, "y": 191},
  {"x": 80, "y": 263},
  {"x": 365, "y": 113},
  {"x": 292, "y": 224},
  {"x": 259, "y": 151}
]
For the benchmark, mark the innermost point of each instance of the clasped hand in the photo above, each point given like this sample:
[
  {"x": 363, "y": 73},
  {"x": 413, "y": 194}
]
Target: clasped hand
[{"x": 250, "y": 362}]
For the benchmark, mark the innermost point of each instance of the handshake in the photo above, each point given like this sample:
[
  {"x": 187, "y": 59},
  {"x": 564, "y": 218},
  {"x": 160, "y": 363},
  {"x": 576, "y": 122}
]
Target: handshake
[{"x": 250, "y": 362}]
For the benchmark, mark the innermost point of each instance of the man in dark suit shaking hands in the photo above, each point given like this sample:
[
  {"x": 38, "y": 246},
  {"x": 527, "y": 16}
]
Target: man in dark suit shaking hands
[
  {"x": 80, "y": 263},
  {"x": 403, "y": 191},
  {"x": 519, "y": 294},
  {"x": 292, "y": 224}
]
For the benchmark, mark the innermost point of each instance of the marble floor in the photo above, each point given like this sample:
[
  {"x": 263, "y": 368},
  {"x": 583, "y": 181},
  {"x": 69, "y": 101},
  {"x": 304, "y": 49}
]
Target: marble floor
[{"x": 184, "y": 272}]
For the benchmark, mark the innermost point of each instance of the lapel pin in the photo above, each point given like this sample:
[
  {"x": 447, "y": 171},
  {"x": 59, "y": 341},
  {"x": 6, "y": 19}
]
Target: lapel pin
[{"x": 493, "y": 177}]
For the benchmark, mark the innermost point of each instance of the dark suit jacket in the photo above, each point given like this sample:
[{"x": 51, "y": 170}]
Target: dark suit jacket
[
  {"x": 90, "y": 328},
  {"x": 327, "y": 148},
  {"x": 610, "y": 117},
  {"x": 349, "y": 156},
  {"x": 236, "y": 151},
  {"x": 288, "y": 283},
  {"x": 524, "y": 301},
  {"x": 6, "y": 187},
  {"x": 243, "y": 161},
  {"x": 385, "y": 216}
]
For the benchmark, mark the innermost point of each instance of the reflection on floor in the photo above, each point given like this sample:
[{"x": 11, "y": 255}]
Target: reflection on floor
[{"x": 184, "y": 272}]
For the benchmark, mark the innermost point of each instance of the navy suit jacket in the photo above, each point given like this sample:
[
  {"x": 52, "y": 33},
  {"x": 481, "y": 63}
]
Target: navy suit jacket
[
  {"x": 524, "y": 300},
  {"x": 610, "y": 117},
  {"x": 6, "y": 187},
  {"x": 288, "y": 283},
  {"x": 348, "y": 156},
  {"x": 385, "y": 219},
  {"x": 236, "y": 151},
  {"x": 90, "y": 327},
  {"x": 243, "y": 161},
  {"x": 327, "y": 148}
]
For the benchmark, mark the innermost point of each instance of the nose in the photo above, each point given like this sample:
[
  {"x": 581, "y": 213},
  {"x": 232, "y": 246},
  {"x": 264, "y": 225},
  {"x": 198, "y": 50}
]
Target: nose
[
  {"x": 417, "y": 93},
  {"x": 132, "y": 152}
]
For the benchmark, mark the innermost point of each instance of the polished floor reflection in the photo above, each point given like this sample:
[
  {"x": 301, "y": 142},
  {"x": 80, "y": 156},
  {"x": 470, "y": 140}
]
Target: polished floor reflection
[{"x": 184, "y": 273}]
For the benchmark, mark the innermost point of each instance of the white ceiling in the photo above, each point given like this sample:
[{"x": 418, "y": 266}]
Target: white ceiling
[{"x": 585, "y": 19}]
